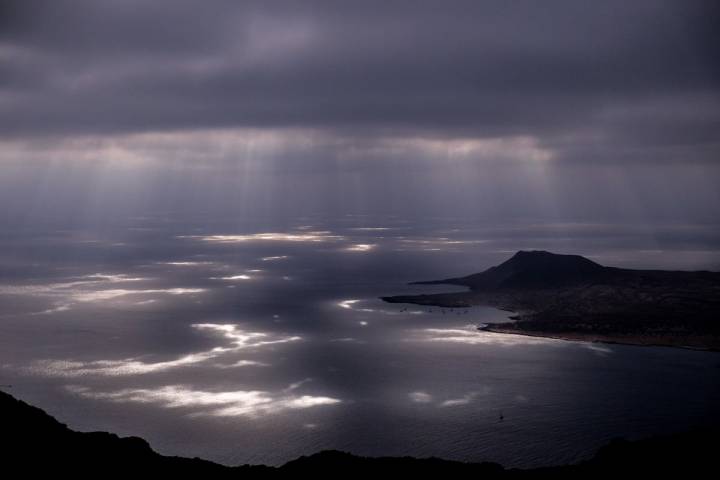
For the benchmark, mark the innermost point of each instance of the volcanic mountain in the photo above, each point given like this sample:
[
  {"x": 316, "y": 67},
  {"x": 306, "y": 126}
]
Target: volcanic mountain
[{"x": 536, "y": 269}]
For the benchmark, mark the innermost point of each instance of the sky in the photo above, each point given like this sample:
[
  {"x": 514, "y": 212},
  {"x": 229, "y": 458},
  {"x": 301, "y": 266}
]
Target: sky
[{"x": 522, "y": 110}]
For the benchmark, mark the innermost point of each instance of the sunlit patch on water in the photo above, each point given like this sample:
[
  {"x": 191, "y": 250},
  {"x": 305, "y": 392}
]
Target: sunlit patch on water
[
  {"x": 59, "y": 307},
  {"x": 238, "y": 339},
  {"x": 455, "y": 402},
  {"x": 110, "y": 278},
  {"x": 437, "y": 244},
  {"x": 347, "y": 340},
  {"x": 423, "y": 397},
  {"x": 100, "y": 295},
  {"x": 356, "y": 306},
  {"x": 470, "y": 335},
  {"x": 83, "y": 284},
  {"x": 243, "y": 339},
  {"x": 90, "y": 288},
  {"x": 274, "y": 258},
  {"x": 371, "y": 229},
  {"x": 425, "y": 371},
  {"x": 319, "y": 236},
  {"x": 235, "y": 403},
  {"x": 348, "y": 303},
  {"x": 420, "y": 397},
  {"x": 601, "y": 350},
  {"x": 361, "y": 247},
  {"x": 187, "y": 264},
  {"x": 242, "y": 363}
]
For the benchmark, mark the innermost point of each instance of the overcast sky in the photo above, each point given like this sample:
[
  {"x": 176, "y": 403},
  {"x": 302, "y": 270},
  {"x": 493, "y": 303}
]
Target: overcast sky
[{"x": 592, "y": 108}]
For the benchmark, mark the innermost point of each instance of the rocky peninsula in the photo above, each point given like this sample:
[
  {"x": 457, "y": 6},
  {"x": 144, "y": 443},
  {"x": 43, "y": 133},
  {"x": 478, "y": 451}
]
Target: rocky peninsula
[{"x": 574, "y": 298}]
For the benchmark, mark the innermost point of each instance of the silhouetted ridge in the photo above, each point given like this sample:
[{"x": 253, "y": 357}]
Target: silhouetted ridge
[
  {"x": 34, "y": 443},
  {"x": 536, "y": 269}
]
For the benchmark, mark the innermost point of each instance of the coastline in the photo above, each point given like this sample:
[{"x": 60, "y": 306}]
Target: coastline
[
  {"x": 524, "y": 318},
  {"x": 630, "y": 340}
]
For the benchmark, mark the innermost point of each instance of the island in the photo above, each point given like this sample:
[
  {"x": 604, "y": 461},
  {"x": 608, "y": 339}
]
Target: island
[
  {"x": 573, "y": 298},
  {"x": 34, "y": 443}
]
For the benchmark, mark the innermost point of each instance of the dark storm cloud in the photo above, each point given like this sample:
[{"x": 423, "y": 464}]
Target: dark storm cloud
[{"x": 639, "y": 72}]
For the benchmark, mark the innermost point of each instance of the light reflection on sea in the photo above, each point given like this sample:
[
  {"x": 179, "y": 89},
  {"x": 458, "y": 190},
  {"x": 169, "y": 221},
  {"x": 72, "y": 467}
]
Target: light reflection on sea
[{"x": 249, "y": 344}]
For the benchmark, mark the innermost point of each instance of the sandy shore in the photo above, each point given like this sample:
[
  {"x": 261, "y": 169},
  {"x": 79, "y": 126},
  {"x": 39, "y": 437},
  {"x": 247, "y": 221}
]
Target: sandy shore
[{"x": 704, "y": 343}]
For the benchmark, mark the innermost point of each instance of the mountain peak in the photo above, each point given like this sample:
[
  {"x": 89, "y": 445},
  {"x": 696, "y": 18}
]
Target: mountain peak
[
  {"x": 538, "y": 268},
  {"x": 550, "y": 258},
  {"x": 521, "y": 253}
]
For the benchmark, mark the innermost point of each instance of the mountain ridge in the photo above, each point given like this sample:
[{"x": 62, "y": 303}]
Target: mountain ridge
[
  {"x": 532, "y": 268},
  {"x": 36, "y": 443}
]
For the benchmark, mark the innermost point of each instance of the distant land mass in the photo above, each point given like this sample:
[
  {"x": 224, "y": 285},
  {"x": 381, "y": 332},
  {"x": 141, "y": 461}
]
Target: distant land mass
[
  {"x": 574, "y": 298},
  {"x": 33, "y": 442}
]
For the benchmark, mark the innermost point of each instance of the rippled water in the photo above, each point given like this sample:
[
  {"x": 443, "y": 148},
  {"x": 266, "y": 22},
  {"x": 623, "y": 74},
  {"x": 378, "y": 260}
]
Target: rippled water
[{"x": 259, "y": 343}]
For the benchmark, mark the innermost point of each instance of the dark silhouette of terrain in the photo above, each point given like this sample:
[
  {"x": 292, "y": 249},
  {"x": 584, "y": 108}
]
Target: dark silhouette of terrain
[
  {"x": 538, "y": 269},
  {"x": 569, "y": 296},
  {"x": 35, "y": 443}
]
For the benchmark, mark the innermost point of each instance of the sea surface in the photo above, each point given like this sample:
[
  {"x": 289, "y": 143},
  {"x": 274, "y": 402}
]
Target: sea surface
[{"x": 256, "y": 342}]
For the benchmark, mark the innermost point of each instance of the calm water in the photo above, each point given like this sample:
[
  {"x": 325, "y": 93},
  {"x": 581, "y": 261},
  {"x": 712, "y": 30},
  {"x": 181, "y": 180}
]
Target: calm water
[{"x": 259, "y": 343}]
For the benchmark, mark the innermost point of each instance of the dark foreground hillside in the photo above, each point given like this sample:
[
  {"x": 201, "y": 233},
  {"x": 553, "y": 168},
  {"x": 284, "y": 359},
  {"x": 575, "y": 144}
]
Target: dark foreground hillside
[{"x": 34, "y": 442}]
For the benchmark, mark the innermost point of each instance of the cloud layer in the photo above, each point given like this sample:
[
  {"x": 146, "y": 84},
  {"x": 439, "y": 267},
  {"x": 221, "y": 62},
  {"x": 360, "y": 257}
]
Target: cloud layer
[{"x": 600, "y": 80}]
